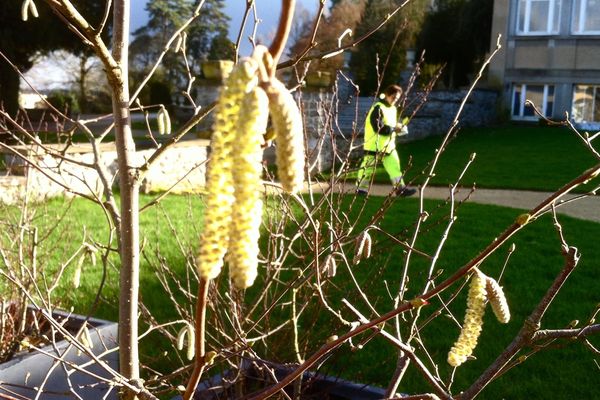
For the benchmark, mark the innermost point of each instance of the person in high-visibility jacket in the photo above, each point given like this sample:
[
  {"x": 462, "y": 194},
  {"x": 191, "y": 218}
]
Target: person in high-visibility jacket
[{"x": 381, "y": 128}]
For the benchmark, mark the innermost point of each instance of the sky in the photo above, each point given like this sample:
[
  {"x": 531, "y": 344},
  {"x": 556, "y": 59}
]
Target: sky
[
  {"x": 51, "y": 74},
  {"x": 267, "y": 11}
]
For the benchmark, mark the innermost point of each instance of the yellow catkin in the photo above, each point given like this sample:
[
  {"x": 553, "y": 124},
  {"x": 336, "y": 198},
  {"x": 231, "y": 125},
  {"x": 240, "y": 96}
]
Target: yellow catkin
[
  {"x": 247, "y": 170},
  {"x": 28, "y": 6},
  {"x": 497, "y": 300},
  {"x": 467, "y": 340},
  {"x": 191, "y": 345},
  {"x": 363, "y": 247},
  {"x": 164, "y": 121},
  {"x": 330, "y": 266},
  {"x": 287, "y": 124},
  {"x": 25, "y": 10},
  {"x": 33, "y": 9},
  {"x": 181, "y": 337},
  {"x": 219, "y": 179}
]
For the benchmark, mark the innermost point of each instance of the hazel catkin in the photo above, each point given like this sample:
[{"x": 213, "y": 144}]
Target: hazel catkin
[
  {"x": 497, "y": 300},
  {"x": 289, "y": 134},
  {"x": 363, "y": 247},
  {"x": 219, "y": 179},
  {"x": 471, "y": 329},
  {"x": 164, "y": 121},
  {"x": 247, "y": 208}
]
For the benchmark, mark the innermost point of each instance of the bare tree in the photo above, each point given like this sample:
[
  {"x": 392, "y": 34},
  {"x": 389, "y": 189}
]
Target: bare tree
[{"x": 294, "y": 313}]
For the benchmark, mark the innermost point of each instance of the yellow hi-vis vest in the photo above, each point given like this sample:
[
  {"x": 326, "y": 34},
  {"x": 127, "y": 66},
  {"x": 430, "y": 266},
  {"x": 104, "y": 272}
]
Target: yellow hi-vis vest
[{"x": 380, "y": 143}]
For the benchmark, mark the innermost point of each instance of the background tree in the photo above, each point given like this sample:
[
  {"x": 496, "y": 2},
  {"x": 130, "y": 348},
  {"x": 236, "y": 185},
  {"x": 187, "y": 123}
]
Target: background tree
[
  {"x": 81, "y": 74},
  {"x": 210, "y": 27},
  {"x": 305, "y": 234},
  {"x": 221, "y": 48},
  {"x": 344, "y": 14},
  {"x": 378, "y": 60},
  {"x": 457, "y": 33},
  {"x": 21, "y": 41}
]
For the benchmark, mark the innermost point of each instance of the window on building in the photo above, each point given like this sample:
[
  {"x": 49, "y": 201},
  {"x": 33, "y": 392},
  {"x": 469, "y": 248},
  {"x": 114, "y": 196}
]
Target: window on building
[
  {"x": 542, "y": 96},
  {"x": 538, "y": 17},
  {"x": 586, "y": 16},
  {"x": 586, "y": 103}
]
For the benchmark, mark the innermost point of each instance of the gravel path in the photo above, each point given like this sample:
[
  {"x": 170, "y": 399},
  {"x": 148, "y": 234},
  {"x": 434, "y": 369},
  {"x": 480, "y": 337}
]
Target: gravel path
[{"x": 587, "y": 207}]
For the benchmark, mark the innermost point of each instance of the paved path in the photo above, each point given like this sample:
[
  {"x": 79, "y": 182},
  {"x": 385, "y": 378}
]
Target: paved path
[{"x": 587, "y": 208}]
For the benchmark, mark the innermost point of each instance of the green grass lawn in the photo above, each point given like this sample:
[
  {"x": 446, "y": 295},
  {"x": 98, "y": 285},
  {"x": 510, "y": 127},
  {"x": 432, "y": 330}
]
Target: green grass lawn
[
  {"x": 527, "y": 157},
  {"x": 529, "y": 273}
]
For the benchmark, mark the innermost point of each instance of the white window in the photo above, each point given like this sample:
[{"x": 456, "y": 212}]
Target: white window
[
  {"x": 586, "y": 16},
  {"x": 538, "y": 17},
  {"x": 586, "y": 104},
  {"x": 524, "y": 95}
]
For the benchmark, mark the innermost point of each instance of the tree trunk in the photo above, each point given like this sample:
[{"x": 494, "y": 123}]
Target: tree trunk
[
  {"x": 9, "y": 88},
  {"x": 83, "y": 71},
  {"x": 129, "y": 186}
]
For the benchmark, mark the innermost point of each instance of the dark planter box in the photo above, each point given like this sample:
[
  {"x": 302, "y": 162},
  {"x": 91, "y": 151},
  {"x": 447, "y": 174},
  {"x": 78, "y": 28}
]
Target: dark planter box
[
  {"x": 314, "y": 386},
  {"x": 29, "y": 370}
]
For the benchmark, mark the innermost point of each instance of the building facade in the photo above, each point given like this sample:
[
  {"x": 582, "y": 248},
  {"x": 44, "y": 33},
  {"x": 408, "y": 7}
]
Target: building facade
[{"x": 550, "y": 57}]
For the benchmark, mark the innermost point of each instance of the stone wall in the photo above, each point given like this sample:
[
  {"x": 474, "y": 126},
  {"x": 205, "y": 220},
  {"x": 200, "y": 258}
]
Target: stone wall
[
  {"x": 181, "y": 168},
  {"x": 438, "y": 112},
  {"x": 326, "y": 116},
  {"x": 333, "y": 127}
]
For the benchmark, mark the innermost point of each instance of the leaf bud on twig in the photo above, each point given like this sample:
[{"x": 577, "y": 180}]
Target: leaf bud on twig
[
  {"x": 332, "y": 339},
  {"x": 209, "y": 357},
  {"x": 418, "y": 302},
  {"x": 523, "y": 219}
]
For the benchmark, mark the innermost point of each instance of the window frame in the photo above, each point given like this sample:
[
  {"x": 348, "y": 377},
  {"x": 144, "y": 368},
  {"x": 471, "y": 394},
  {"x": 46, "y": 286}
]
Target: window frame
[
  {"x": 550, "y": 28},
  {"x": 523, "y": 97},
  {"x": 579, "y": 17}
]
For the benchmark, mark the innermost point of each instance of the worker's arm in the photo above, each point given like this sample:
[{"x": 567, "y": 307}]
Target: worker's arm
[{"x": 377, "y": 122}]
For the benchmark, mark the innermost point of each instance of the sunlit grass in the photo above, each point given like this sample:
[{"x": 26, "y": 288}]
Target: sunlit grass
[
  {"x": 170, "y": 233},
  {"x": 522, "y": 157}
]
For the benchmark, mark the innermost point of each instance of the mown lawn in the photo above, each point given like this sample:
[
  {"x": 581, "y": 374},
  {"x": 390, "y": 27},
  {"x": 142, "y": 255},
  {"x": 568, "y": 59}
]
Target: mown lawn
[
  {"x": 528, "y": 274},
  {"x": 527, "y": 157}
]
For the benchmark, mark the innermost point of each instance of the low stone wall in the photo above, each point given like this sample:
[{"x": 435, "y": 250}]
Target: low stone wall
[
  {"x": 441, "y": 107},
  {"x": 180, "y": 169},
  {"x": 334, "y": 127}
]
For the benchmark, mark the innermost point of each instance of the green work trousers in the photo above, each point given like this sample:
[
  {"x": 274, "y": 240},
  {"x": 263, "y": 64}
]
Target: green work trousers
[{"x": 391, "y": 163}]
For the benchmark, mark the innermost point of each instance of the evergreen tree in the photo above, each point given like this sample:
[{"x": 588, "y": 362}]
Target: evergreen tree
[
  {"x": 379, "y": 60},
  {"x": 165, "y": 17},
  {"x": 457, "y": 33}
]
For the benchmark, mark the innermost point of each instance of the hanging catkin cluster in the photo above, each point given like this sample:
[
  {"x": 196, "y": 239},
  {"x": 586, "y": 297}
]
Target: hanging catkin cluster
[
  {"x": 233, "y": 201},
  {"x": 363, "y": 247},
  {"x": 247, "y": 169},
  {"x": 28, "y": 6},
  {"x": 219, "y": 177},
  {"x": 287, "y": 124},
  {"x": 467, "y": 340},
  {"x": 481, "y": 289}
]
